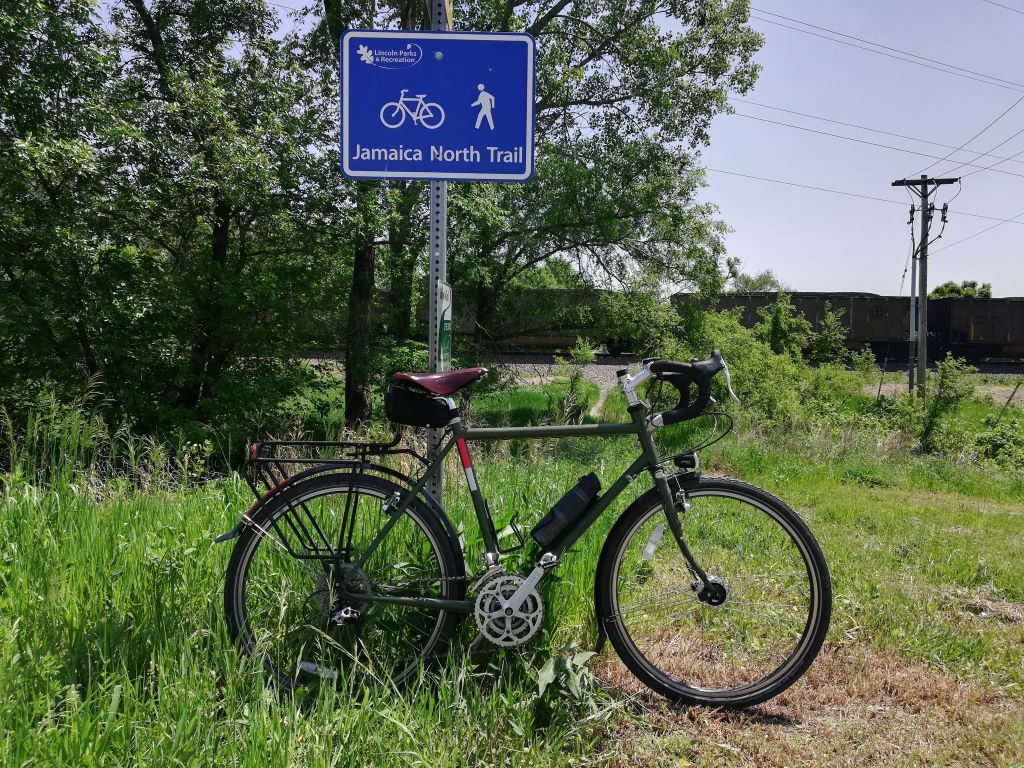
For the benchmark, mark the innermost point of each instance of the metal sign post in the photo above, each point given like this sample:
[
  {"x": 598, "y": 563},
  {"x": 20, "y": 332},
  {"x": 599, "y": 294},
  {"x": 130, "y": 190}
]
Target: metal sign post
[
  {"x": 441, "y": 106},
  {"x": 437, "y": 279},
  {"x": 440, "y": 21}
]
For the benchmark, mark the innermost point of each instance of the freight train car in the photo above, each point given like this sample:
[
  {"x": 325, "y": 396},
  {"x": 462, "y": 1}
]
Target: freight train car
[
  {"x": 978, "y": 330},
  {"x": 550, "y": 320}
]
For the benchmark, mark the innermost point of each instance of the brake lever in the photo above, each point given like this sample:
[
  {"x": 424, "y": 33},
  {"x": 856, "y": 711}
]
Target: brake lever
[{"x": 728, "y": 380}]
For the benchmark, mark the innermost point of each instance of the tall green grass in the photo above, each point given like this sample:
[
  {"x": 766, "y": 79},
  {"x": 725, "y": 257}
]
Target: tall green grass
[{"x": 113, "y": 649}]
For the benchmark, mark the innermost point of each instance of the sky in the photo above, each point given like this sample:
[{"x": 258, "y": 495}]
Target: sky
[{"x": 818, "y": 241}]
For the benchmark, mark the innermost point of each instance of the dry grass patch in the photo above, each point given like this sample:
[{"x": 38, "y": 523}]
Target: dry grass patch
[
  {"x": 986, "y": 603},
  {"x": 949, "y": 501},
  {"x": 855, "y": 707}
]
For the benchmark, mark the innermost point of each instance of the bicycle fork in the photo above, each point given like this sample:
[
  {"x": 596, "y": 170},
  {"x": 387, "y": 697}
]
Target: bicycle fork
[{"x": 672, "y": 504}]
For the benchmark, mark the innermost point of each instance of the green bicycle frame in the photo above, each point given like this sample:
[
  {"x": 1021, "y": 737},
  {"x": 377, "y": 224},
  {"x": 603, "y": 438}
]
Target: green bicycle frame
[{"x": 648, "y": 460}]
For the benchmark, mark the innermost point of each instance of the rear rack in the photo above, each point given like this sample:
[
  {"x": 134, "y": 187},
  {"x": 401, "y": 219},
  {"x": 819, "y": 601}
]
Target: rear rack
[{"x": 267, "y": 470}]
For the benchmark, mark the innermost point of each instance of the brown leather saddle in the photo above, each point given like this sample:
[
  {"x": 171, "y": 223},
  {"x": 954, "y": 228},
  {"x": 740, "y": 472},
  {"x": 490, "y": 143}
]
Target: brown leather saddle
[{"x": 442, "y": 383}]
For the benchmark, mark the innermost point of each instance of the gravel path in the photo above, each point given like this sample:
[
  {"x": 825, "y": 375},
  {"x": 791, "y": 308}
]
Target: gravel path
[{"x": 538, "y": 368}]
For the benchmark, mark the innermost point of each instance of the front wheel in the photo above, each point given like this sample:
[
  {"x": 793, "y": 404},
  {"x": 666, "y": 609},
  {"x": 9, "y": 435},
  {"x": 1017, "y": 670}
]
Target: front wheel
[{"x": 747, "y": 637}]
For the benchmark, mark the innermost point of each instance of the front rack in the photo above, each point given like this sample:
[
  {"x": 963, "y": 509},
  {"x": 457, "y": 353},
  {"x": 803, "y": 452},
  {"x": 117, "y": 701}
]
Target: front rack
[{"x": 267, "y": 467}]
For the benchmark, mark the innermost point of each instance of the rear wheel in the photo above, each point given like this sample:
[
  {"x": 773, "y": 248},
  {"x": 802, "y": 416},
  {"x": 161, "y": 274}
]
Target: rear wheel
[
  {"x": 745, "y": 638},
  {"x": 289, "y": 585}
]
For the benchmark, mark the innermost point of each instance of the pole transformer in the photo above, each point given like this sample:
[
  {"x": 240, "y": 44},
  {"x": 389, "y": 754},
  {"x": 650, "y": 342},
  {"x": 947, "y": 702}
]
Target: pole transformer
[{"x": 924, "y": 188}]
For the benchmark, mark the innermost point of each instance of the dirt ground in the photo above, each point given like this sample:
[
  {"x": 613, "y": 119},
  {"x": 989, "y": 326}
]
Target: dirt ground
[
  {"x": 855, "y": 707},
  {"x": 999, "y": 393}
]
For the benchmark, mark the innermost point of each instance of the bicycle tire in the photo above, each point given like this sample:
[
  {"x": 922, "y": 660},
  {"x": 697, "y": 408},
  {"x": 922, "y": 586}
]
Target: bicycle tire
[
  {"x": 700, "y": 663},
  {"x": 396, "y": 111},
  {"x": 429, "y": 107},
  {"x": 317, "y": 647}
]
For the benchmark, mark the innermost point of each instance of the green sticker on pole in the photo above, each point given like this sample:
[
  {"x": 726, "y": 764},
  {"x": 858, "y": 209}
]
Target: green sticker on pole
[{"x": 444, "y": 331}]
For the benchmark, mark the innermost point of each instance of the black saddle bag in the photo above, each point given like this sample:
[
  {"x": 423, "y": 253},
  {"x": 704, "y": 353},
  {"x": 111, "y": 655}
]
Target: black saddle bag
[{"x": 416, "y": 409}]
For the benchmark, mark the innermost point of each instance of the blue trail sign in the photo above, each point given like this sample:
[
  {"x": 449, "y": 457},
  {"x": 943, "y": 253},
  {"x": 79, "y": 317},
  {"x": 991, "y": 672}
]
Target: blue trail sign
[{"x": 437, "y": 105}]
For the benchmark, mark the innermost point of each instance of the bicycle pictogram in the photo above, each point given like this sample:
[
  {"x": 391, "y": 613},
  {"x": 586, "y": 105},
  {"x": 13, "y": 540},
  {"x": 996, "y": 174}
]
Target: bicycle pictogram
[{"x": 428, "y": 114}]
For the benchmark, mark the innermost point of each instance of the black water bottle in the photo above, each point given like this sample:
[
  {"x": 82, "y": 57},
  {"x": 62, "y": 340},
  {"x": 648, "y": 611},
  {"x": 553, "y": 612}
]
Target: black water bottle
[{"x": 567, "y": 510}]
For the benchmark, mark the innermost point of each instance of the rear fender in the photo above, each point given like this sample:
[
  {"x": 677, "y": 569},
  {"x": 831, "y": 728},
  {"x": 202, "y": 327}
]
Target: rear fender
[{"x": 299, "y": 477}]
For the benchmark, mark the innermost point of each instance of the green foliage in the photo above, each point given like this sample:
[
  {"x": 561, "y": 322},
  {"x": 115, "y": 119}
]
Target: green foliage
[
  {"x": 173, "y": 211},
  {"x": 828, "y": 343},
  {"x": 636, "y": 320},
  {"x": 158, "y": 242},
  {"x": 783, "y": 328},
  {"x": 770, "y": 385},
  {"x": 760, "y": 282},
  {"x": 968, "y": 289},
  {"x": 1002, "y": 440},
  {"x": 574, "y": 405},
  {"x": 863, "y": 362}
]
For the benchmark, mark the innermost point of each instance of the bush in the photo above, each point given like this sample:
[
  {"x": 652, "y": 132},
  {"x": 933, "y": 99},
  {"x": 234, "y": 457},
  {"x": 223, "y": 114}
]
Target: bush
[
  {"x": 828, "y": 344},
  {"x": 783, "y": 328},
  {"x": 637, "y": 321},
  {"x": 863, "y": 363},
  {"x": 1002, "y": 442},
  {"x": 574, "y": 406},
  {"x": 770, "y": 385}
]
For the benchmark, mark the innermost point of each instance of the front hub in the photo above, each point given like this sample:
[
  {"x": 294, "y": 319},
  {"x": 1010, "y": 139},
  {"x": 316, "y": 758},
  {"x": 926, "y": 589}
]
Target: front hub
[{"x": 713, "y": 592}]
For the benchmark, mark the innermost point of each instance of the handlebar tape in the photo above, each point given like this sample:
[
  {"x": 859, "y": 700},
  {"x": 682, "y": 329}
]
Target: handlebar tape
[{"x": 681, "y": 376}]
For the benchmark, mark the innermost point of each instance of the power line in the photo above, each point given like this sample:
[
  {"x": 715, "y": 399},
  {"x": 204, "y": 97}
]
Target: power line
[
  {"x": 1016, "y": 85},
  {"x": 1000, "y": 5},
  {"x": 997, "y": 146},
  {"x": 995, "y": 164},
  {"x": 869, "y": 143},
  {"x": 806, "y": 186},
  {"x": 889, "y": 55},
  {"x": 864, "y": 128},
  {"x": 996, "y": 120},
  {"x": 1011, "y": 220}
]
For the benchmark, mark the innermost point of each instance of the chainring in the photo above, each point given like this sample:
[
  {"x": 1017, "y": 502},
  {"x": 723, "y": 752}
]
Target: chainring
[{"x": 500, "y": 624}]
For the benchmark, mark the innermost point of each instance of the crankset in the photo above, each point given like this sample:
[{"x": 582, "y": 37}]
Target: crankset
[{"x": 499, "y": 623}]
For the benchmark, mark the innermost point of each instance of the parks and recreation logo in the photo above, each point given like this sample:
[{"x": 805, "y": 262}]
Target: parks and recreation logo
[{"x": 392, "y": 56}]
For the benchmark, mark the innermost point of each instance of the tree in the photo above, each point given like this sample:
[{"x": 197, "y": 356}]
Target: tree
[
  {"x": 175, "y": 224},
  {"x": 188, "y": 204},
  {"x": 783, "y": 328},
  {"x": 56, "y": 59},
  {"x": 761, "y": 282},
  {"x": 968, "y": 289}
]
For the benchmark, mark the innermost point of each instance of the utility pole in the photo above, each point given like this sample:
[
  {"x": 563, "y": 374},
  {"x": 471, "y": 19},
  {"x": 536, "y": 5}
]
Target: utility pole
[
  {"x": 912, "y": 326},
  {"x": 924, "y": 188},
  {"x": 437, "y": 275}
]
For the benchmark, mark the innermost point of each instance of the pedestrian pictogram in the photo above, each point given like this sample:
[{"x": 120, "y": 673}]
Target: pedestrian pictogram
[{"x": 486, "y": 103}]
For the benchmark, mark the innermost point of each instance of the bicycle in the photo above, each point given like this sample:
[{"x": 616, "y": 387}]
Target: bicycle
[
  {"x": 429, "y": 114},
  {"x": 350, "y": 567}
]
